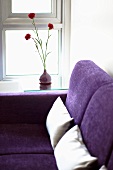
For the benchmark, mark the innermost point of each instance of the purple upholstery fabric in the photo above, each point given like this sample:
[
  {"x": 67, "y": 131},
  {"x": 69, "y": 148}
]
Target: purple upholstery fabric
[
  {"x": 27, "y": 107},
  {"x": 28, "y": 162},
  {"x": 97, "y": 124},
  {"x": 85, "y": 79},
  {"x": 24, "y": 141},
  {"x": 24, "y": 138}
]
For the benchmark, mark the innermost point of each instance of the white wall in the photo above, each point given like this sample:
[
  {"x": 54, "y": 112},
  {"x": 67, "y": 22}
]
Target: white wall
[{"x": 92, "y": 32}]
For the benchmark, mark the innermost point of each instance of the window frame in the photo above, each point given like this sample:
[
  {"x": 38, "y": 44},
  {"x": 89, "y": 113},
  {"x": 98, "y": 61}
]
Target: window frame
[{"x": 9, "y": 18}]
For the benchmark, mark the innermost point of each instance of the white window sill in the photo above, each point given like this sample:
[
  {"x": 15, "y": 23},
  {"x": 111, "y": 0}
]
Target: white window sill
[{"x": 10, "y": 86}]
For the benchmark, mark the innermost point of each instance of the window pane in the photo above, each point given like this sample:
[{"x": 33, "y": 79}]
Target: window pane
[
  {"x": 22, "y": 57},
  {"x": 37, "y": 6}
]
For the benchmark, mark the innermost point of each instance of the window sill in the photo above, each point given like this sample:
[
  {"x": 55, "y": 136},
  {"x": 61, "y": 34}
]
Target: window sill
[{"x": 10, "y": 86}]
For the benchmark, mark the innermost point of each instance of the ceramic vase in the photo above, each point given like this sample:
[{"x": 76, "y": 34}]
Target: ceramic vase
[{"x": 45, "y": 81}]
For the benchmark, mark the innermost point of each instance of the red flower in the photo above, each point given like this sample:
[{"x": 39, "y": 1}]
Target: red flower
[
  {"x": 50, "y": 26},
  {"x": 31, "y": 15},
  {"x": 28, "y": 36}
]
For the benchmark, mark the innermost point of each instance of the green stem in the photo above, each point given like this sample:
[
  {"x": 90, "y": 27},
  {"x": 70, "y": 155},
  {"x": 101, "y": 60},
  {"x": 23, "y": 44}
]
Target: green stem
[
  {"x": 46, "y": 47},
  {"x": 38, "y": 51},
  {"x": 39, "y": 41},
  {"x": 35, "y": 29}
]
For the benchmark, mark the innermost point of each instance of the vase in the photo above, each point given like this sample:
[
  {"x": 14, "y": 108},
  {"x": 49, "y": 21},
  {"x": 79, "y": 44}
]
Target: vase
[{"x": 45, "y": 81}]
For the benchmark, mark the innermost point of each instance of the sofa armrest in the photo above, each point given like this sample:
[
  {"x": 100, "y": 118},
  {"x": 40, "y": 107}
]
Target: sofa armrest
[{"x": 28, "y": 107}]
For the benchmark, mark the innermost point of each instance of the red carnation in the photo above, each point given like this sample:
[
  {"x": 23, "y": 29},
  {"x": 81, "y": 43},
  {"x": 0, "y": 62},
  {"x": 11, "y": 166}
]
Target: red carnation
[
  {"x": 31, "y": 15},
  {"x": 28, "y": 36},
  {"x": 50, "y": 26}
]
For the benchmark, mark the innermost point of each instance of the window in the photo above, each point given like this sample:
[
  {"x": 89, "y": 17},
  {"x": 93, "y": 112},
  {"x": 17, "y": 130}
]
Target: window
[
  {"x": 25, "y": 56},
  {"x": 18, "y": 57},
  {"x": 40, "y": 6}
]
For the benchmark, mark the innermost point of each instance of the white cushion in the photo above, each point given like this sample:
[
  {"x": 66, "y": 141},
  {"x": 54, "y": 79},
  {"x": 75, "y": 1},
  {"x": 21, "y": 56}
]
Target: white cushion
[
  {"x": 71, "y": 153},
  {"x": 58, "y": 121},
  {"x": 103, "y": 168}
]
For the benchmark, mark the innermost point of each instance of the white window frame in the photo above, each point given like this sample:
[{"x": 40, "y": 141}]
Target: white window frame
[
  {"x": 10, "y": 18},
  {"x": 1, "y": 45},
  {"x": 13, "y": 20},
  {"x": 66, "y": 43}
]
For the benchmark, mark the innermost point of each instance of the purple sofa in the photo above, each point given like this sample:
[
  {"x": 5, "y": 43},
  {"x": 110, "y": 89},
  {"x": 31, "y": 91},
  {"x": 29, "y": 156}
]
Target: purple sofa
[{"x": 24, "y": 140}]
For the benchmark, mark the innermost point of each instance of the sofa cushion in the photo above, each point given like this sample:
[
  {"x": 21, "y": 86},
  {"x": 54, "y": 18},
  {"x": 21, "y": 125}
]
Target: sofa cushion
[
  {"x": 29, "y": 107},
  {"x": 24, "y": 138},
  {"x": 58, "y": 121},
  {"x": 103, "y": 168},
  {"x": 28, "y": 162},
  {"x": 72, "y": 154},
  {"x": 85, "y": 79},
  {"x": 97, "y": 124}
]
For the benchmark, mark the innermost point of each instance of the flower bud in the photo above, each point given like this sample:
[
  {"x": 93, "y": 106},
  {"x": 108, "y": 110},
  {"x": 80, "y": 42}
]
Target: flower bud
[
  {"x": 28, "y": 36},
  {"x": 50, "y": 26},
  {"x": 31, "y": 15}
]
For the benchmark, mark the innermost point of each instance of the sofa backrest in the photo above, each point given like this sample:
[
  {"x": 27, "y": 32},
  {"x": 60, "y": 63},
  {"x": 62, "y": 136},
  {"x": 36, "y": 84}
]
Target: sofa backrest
[
  {"x": 28, "y": 107},
  {"x": 97, "y": 124},
  {"x": 90, "y": 103},
  {"x": 85, "y": 80}
]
